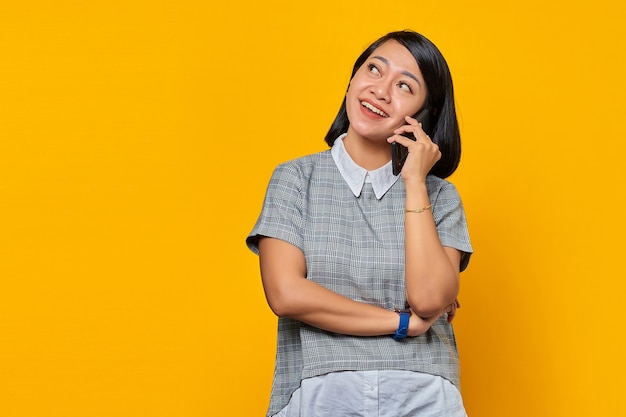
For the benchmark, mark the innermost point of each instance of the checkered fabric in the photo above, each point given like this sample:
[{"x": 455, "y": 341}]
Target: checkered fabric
[{"x": 355, "y": 247}]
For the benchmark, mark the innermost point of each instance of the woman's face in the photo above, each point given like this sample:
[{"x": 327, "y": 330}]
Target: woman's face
[{"x": 385, "y": 89}]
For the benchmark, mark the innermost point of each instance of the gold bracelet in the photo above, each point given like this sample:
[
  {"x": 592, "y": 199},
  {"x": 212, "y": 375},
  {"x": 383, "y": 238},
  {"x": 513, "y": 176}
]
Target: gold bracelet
[{"x": 418, "y": 210}]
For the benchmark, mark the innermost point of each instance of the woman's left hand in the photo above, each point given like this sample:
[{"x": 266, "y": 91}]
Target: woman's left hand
[
  {"x": 423, "y": 153},
  {"x": 451, "y": 310}
]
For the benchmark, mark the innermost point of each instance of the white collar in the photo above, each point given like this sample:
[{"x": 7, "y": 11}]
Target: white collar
[{"x": 356, "y": 176}]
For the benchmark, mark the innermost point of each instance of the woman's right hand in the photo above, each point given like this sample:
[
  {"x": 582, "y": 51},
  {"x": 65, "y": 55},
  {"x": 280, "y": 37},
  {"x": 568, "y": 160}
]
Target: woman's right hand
[{"x": 419, "y": 325}]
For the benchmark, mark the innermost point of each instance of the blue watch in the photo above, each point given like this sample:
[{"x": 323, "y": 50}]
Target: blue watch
[{"x": 403, "y": 326}]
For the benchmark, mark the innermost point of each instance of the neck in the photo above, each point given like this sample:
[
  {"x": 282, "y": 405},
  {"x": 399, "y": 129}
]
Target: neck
[{"x": 367, "y": 153}]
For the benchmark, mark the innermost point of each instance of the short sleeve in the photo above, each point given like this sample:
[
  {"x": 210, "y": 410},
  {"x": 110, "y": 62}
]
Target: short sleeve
[
  {"x": 450, "y": 220},
  {"x": 281, "y": 214}
]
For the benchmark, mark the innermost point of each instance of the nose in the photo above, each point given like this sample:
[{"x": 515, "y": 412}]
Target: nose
[{"x": 381, "y": 90}]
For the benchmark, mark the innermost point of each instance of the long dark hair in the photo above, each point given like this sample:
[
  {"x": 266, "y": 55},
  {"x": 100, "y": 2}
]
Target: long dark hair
[{"x": 440, "y": 97}]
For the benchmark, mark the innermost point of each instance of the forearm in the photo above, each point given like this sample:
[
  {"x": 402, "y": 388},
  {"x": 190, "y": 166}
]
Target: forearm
[
  {"x": 290, "y": 294},
  {"x": 319, "y": 307},
  {"x": 309, "y": 302},
  {"x": 432, "y": 279}
]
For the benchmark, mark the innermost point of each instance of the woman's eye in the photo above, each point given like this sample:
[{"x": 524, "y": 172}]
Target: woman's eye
[
  {"x": 373, "y": 69},
  {"x": 405, "y": 87}
]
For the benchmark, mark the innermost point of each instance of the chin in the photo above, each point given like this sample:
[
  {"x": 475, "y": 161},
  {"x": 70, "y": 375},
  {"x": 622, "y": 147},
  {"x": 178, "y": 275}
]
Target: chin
[{"x": 374, "y": 136}]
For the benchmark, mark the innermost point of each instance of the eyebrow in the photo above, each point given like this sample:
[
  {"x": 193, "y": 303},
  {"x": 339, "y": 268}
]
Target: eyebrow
[{"x": 408, "y": 74}]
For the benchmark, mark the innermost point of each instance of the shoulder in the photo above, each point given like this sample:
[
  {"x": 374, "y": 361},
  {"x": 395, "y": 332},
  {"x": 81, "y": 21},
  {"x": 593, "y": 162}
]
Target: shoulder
[
  {"x": 304, "y": 166},
  {"x": 308, "y": 160}
]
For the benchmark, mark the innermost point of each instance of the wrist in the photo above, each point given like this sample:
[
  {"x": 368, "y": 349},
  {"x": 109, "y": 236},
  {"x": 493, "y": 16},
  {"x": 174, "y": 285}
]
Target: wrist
[
  {"x": 414, "y": 182},
  {"x": 416, "y": 192},
  {"x": 403, "y": 324},
  {"x": 416, "y": 196}
]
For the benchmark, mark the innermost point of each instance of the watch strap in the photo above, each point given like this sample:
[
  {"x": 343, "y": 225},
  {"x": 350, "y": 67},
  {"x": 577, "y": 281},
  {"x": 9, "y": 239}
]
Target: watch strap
[{"x": 403, "y": 325}]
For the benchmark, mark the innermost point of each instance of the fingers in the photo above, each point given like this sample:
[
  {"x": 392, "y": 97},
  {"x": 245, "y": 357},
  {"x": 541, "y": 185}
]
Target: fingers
[
  {"x": 422, "y": 144},
  {"x": 413, "y": 127},
  {"x": 451, "y": 310},
  {"x": 423, "y": 152},
  {"x": 451, "y": 317}
]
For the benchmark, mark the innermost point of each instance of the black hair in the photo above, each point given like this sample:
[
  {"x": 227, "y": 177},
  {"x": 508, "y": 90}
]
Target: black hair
[{"x": 440, "y": 98}]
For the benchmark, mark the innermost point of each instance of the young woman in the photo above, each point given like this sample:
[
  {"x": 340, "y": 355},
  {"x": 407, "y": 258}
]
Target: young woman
[{"x": 362, "y": 266}]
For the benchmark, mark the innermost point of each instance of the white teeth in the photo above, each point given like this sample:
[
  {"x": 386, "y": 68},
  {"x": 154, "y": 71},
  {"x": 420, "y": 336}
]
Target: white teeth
[{"x": 374, "y": 109}]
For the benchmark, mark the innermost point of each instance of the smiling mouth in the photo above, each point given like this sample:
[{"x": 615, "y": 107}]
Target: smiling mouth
[{"x": 374, "y": 109}]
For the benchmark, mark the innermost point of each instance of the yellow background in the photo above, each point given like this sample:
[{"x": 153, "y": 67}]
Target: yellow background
[{"x": 136, "y": 142}]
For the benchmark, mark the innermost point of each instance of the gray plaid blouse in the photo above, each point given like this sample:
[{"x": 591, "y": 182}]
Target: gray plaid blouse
[{"x": 355, "y": 247}]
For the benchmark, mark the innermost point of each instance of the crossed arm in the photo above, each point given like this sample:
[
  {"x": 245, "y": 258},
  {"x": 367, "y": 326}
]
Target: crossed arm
[{"x": 290, "y": 294}]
